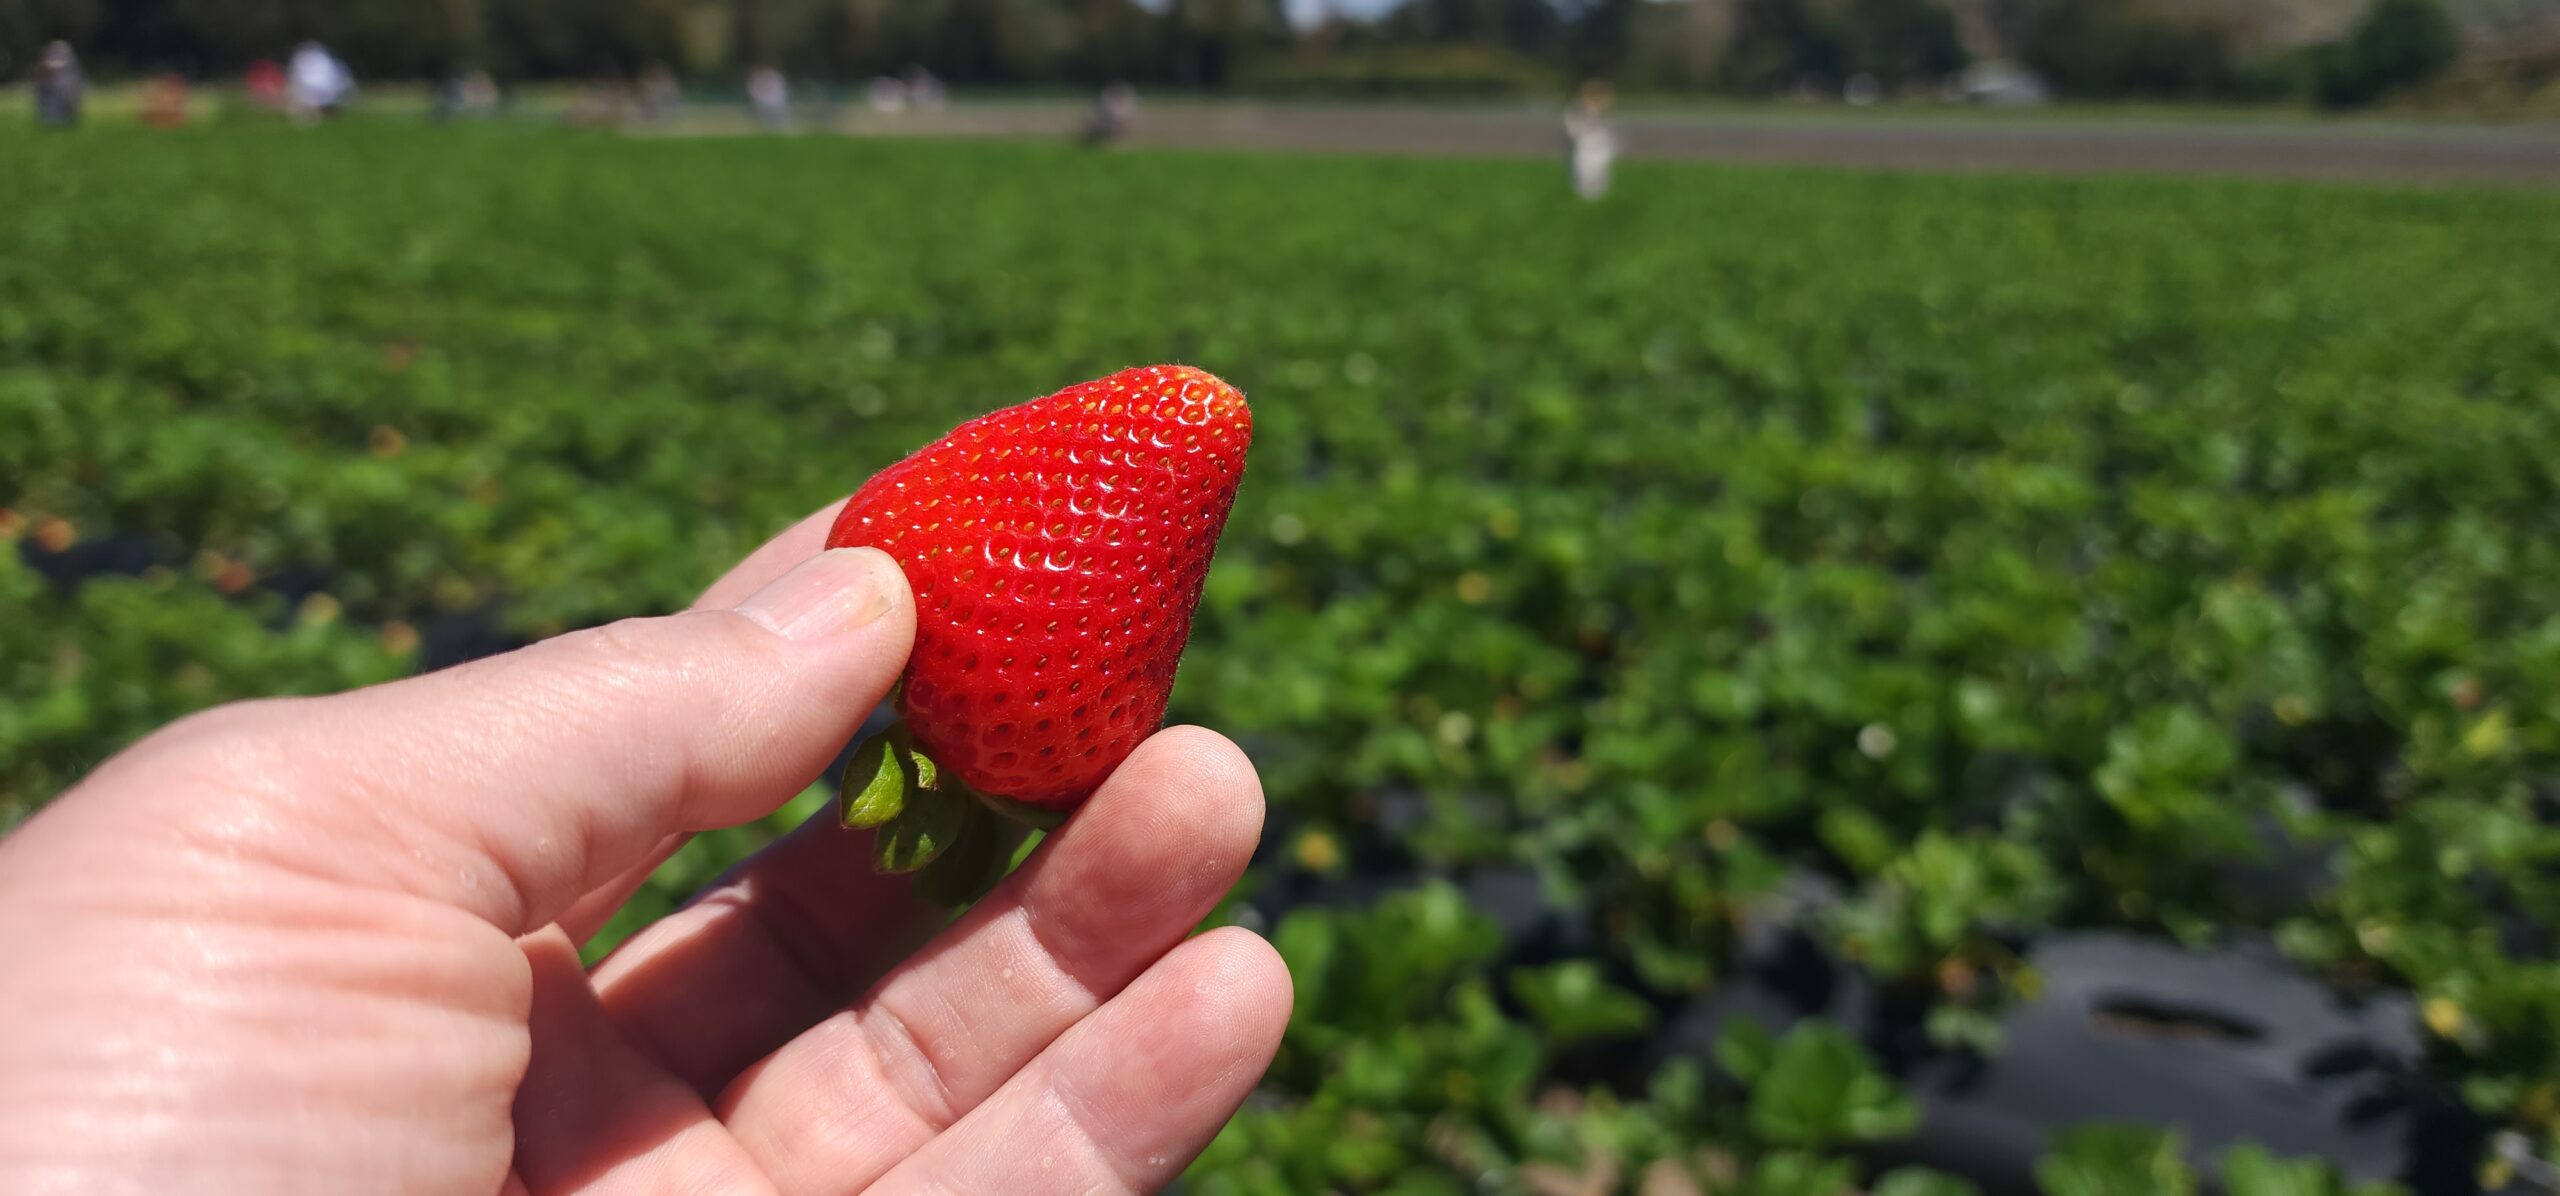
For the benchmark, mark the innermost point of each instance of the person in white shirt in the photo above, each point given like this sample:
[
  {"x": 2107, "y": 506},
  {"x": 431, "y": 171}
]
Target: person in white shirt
[
  {"x": 1591, "y": 145},
  {"x": 770, "y": 95},
  {"x": 316, "y": 83}
]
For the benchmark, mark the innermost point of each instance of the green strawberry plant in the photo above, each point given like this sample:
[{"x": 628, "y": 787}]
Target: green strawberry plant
[{"x": 2000, "y": 554}]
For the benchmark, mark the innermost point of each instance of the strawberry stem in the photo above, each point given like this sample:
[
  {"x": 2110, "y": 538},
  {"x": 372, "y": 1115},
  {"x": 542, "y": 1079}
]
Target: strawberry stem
[
  {"x": 1038, "y": 818},
  {"x": 973, "y": 864},
  {"x": 956, "y": 839}
]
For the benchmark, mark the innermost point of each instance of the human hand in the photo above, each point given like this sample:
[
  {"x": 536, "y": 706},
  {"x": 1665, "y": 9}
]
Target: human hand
[{"x": 329, "y": 944}]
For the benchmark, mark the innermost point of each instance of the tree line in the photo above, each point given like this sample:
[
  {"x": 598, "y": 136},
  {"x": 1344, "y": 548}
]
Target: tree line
[
  {"x": 970, "y": 41},
  {"x": 2082, "y": 47}
]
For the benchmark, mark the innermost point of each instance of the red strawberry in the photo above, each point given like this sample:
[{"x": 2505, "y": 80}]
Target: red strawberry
[{"x": 1056, "y": 550}]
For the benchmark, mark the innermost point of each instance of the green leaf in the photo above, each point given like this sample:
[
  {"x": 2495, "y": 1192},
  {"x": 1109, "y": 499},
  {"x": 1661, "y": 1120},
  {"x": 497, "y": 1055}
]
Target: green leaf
[
  {"x": 1859, "y": 838},
  {"x": 931, "y": 821},
  {"x": 2251, "y": 1170},
  {"x": 1958, "y": 1027},
  {"x": 1822, "y": 1088},
  {"x": 2115, "y": 1160},
  {"x": 875, "y": 785},
  {"x": 1744, "y": 1047},
  {"x": 1424, "y": 1183},
  {"x": 925, "y": 773},
  {"x": 1792, "y": 1173},
  {"x": 1667, "y": 963},
  {"x": 1921, "y": 1181},
  {"x": 1309, "y": 943},
  {"x": 1573, "y": 1001}
]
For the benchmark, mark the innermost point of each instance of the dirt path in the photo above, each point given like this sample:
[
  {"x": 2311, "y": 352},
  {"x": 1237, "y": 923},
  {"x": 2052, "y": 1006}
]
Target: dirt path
[{"x": 2061, "y": 144}]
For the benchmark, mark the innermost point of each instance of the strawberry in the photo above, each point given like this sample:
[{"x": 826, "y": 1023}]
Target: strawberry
[{"x": 1056, "y": 551}]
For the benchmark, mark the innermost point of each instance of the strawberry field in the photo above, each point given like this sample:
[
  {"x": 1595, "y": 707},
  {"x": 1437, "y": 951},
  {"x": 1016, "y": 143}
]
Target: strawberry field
[{"x": 1723, "y": 660}]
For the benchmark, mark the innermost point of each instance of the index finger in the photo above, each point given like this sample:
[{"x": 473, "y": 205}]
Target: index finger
[{"x": 770, "y": 560}]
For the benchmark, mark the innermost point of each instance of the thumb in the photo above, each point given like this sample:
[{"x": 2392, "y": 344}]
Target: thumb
[{"x": 510, "y": 786}]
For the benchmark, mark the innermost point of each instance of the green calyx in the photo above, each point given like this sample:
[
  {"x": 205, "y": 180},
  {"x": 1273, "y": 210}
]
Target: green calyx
[{"x": 957, "y": 840}]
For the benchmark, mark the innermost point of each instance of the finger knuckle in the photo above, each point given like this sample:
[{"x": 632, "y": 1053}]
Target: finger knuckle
[{"x": 232, "y": 740}]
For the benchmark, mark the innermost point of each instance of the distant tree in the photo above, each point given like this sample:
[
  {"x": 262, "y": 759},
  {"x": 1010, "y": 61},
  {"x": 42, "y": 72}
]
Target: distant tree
[
  {"x": 26, "y": 25},
  {"x": 1598, "y": 35},
  {"x": 860, "y": 38},
  {"x": 207, "y": 37},
  {"x": 1208, "y": 39},
  {"x": 557, "y": 38},
  {"x": 1034, "y": 39},
  {"x": 2397, "y": 44},
  {"x": 1462, "y": 20},
  {"x": 1114, "y": 39},
  {"x": 219, "y": 35},
  {"x": 767, "y": 31},
  {"x": 1779, "y": 43},
  {"x": 2127, "y": 47},
  {"x": 1532, "y": 27},
  {"x": 1679, "y": 45},
  {"x": 397, "y": 38},
  {"x": 1902, "y": 41}
]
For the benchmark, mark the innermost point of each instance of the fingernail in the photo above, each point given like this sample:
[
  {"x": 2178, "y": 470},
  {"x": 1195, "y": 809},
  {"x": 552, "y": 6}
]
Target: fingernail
[{"x": 831, "y": 593}]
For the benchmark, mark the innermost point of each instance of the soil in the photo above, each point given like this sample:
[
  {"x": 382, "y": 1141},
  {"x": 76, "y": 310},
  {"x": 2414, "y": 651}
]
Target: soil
[{"x": 2047, "y": 143}]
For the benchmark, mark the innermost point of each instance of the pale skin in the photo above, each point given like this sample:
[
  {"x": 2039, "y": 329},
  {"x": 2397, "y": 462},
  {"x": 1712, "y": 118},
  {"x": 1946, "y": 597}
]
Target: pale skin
[{"x": 329, "y": 945}]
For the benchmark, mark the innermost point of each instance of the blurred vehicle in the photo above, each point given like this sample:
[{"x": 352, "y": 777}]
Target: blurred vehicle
[{"x": 2003, "y": 84}]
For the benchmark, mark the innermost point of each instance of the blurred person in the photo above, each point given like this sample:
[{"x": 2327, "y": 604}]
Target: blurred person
[
  {"x": 164, "y": 101},
  {"x": 466, "y": 95},
  {"x": 330, "y": 944},
  {"x": 317, "y": 84},
  {"x": 481, "y": 94},
  {"x": 885, "y": 94},
  {"x": 61, "y": 89},
  {"x": 769, "y": 94},
  {"x": 448, "y": 102},
  {"x": 264, "y": 81},
  {"x": 925, "y": 91},
  {"x": 1114, "y": 111},
  {"x": 603, "y": 103},
  {"x": 1591, "y": 144},
  {"x": 661, "y": 97}
]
